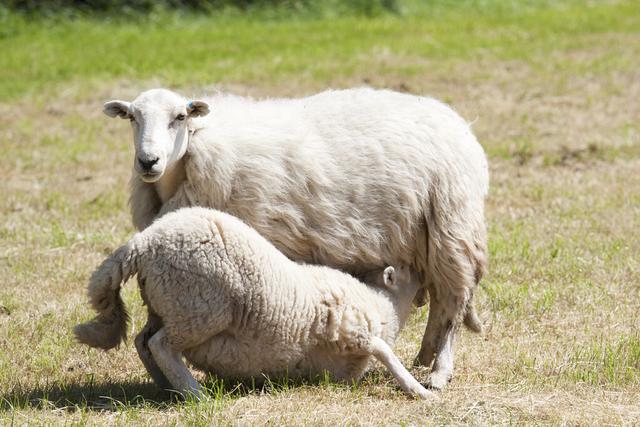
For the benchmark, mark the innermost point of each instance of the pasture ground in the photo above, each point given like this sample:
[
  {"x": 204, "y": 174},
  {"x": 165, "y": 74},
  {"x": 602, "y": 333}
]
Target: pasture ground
[{"x": 553, "y": 89}]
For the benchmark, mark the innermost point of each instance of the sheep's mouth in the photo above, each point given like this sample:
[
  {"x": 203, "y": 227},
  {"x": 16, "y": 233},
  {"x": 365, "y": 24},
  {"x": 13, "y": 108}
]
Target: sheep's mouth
[{"x": 150, "y": 177}]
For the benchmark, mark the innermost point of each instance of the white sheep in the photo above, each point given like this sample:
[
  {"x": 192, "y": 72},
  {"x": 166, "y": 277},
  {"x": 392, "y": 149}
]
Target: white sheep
[
  {"x": 235, "y": 306},
  {"x": 351, "y": 179}
]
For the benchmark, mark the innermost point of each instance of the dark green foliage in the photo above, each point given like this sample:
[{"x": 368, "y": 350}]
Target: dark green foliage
[{"x": 364, "y": 7}]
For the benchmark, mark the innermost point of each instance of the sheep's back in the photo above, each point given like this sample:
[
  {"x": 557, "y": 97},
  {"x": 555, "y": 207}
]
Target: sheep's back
[{"x": 343, "y": 178}]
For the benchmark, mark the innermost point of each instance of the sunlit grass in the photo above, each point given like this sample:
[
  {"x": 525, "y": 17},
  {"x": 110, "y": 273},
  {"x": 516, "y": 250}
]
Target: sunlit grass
[{"x": 552, "y": 91}]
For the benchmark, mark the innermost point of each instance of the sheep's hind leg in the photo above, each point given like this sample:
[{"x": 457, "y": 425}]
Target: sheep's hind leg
[
  {"x": 408, "y": 383},
  {"x": 437, "y": 343},
  {"x": 430, "y": 339},
  {"x": 173, "y": 367},
  {"x": 142, "y": 345},
  {"x": 442, "y": 369},
  {"x": 456, "y": 266}
]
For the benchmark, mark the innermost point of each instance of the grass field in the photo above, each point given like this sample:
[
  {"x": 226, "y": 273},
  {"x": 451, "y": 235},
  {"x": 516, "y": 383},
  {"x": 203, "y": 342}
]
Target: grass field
[{"x": 553, "y": 89}]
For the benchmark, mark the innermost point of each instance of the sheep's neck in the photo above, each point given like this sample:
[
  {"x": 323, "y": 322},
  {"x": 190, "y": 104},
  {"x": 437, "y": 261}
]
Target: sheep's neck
[{"x": 170, "y": 181}]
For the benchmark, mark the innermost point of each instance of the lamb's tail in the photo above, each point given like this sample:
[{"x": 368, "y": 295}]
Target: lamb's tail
[{"x": 109, "y": 327}]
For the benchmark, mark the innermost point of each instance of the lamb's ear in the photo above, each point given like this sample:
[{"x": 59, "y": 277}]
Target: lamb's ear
[
  {"x": 389, "y": 277},
  {"x": 117, "y": 109},
  {"x": 197, "y": 108}
]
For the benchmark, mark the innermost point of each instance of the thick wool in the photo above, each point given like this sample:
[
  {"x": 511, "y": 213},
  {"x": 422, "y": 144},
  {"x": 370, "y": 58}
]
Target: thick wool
[
  {"x": 236, "y": 306},
  {"x": 353, "y": 179}
]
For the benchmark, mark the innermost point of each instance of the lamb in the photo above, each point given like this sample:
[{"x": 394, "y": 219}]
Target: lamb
[
  {"x": 351, "y": 179},
  {"x": 234, "y": 305}
]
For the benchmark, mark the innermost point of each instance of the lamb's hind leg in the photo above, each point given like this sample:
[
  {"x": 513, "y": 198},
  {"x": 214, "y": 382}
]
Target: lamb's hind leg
[
  {"x": 142, "y": 345},
  {"x": 153, "y": 325},
  {"x": 180, "y": 334},
  {"x": 170, "y": 361},
  {"x": 408, "y": 383}
]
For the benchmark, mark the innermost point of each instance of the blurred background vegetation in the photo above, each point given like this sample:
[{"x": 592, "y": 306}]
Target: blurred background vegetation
[{"x": 365, "y": 7}]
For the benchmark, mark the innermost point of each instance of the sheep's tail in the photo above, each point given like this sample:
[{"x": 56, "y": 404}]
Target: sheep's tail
[
  {"x": 109, "y": 328},
  {"x": 471, "y": 319}
]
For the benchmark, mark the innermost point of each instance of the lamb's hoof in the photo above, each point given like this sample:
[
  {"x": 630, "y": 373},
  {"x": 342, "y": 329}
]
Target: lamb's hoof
[
  {"x": 424, "y": 394},
  {"x": 438, "y": 380}
]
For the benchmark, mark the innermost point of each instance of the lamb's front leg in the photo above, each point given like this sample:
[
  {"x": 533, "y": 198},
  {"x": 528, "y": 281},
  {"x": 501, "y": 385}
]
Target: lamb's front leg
[
  {"x": 170, "y": 362},
  {"x": 381, "y": 351}
]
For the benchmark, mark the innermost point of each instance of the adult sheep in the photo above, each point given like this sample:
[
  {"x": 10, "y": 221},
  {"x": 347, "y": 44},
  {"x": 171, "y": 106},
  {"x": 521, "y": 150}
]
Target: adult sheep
[
  {"x": 352, "y": 179},
  {"x": 235, "y": 306}
]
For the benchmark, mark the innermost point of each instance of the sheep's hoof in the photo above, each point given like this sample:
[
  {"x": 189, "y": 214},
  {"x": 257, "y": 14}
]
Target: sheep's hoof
[{"x": 438, "y": 380}]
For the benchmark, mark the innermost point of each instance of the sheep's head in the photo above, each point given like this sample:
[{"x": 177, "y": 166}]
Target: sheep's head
[{"x": 160, "y": 120}]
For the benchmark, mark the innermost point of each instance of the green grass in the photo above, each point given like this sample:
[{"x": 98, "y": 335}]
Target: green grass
[
  {"x": 197, "y": 50},
  {"x": 604, "y": 362},
  {"x": 553, "y": 92}
]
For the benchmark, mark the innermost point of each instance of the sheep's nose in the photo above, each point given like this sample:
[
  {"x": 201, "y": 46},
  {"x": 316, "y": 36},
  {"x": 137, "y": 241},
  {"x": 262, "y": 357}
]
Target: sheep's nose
[{"x": 148, "y": 164}]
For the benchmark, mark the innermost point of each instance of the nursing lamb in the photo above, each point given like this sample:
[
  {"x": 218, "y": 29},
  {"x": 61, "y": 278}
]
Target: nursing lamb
[
  {"x": 235, "y": 306},
  {"x": 351, "y": 179}
]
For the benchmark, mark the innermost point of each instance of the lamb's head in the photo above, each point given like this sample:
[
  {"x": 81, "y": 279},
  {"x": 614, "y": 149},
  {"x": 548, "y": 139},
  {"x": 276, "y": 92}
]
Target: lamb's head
[
  {"x": 401, "y": 285},
  {"x": 160, "y": 120}
]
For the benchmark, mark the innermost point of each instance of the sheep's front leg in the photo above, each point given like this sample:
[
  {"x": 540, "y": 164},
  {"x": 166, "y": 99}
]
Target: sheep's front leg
[
  {"x": 408, "y": 383},
  {"x": 142, "y": 345},
  {"x": 170, "y": 362}
]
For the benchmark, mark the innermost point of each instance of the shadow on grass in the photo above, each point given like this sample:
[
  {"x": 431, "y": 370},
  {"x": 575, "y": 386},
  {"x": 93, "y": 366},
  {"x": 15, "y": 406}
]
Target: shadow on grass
[
  {"x": 75, "y": 396},
  {"x": 116, "y": 396}
]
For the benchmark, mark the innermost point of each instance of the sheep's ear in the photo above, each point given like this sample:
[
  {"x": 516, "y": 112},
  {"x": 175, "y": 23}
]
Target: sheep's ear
[
  {"x": 197, "y": 108},
  {"x": 117, "y": 109},
  {"x": 389, "y": 277}
]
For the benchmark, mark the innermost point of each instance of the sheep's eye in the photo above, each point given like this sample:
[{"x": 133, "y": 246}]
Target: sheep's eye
[{"x": 181, "y": 117}]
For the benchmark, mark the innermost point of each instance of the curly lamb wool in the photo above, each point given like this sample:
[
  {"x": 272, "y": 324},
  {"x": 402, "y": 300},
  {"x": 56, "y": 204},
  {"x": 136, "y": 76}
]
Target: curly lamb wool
[
  {"x": 353, "y": 179},
  {"x": 234, "y": 305}
]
